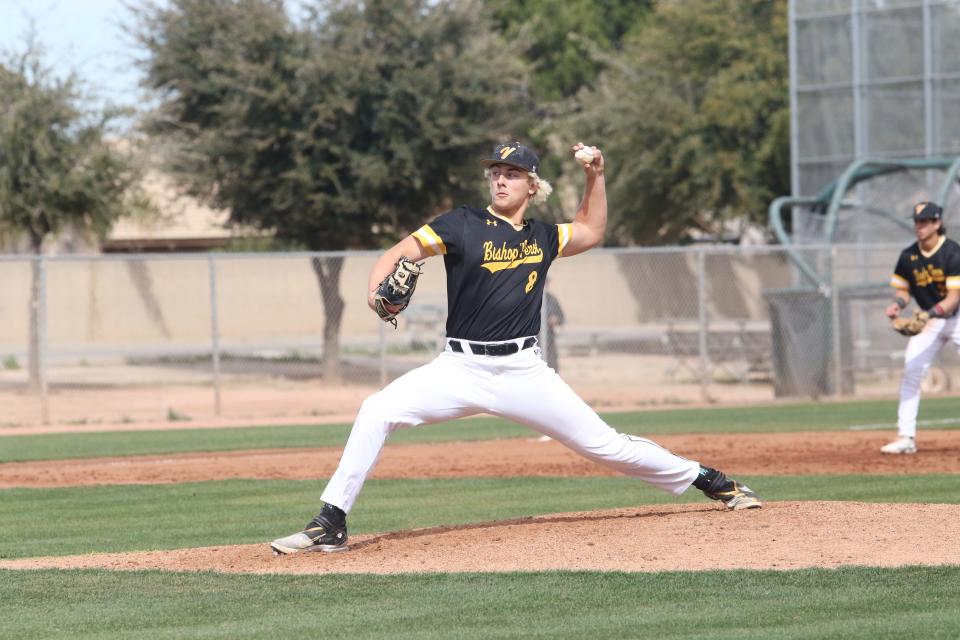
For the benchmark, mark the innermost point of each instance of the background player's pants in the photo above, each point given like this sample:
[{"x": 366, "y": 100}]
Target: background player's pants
[
  {"x": 921, "y": 350},
  {"x": 518, "y": 387}
]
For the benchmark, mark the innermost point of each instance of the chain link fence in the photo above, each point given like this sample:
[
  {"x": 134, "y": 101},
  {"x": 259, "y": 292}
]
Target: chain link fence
[
  {"x": 118, "y": 338},
  {"x": 871, "y": 79}
]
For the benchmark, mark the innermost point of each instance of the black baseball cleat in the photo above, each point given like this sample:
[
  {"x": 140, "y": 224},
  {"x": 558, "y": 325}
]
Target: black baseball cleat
[
  {"x": 327, "y": 532},
  {"x": 734, "y": 495}
]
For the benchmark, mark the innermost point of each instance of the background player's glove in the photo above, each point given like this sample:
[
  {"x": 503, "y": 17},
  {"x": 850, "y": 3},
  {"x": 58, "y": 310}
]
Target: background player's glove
[
  {"x": 396, "y": 290},
  {"x": 911, "y": 326}
]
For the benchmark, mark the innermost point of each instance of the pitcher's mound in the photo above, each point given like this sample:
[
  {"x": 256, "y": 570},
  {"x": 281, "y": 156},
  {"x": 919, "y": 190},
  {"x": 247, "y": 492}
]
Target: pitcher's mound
[{"x": 782, "y": 535}]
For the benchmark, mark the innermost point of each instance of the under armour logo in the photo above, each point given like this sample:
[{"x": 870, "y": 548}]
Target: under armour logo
[
  {"x": 914, "y": 258},
  {"x": 492, "y": 223}
]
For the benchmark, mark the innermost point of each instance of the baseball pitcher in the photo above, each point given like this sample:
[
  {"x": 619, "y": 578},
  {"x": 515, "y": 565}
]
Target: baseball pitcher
[
  {"x": 496, "y": 260},
  {"x": 929, "y": 272}
]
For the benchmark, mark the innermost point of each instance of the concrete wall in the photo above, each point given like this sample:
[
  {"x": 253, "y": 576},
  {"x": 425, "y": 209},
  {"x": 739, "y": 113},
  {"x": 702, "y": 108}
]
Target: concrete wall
[{"x": 116, "y": 303}]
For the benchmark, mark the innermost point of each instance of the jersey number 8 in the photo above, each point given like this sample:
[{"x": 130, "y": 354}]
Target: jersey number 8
[{"x": 530, "y": 282}]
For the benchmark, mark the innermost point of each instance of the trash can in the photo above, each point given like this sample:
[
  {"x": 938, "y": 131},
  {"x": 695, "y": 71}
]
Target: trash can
[{"x": 802, "y": 340}]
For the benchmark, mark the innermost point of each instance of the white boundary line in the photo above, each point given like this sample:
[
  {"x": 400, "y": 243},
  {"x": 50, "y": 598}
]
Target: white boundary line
[{"x": 893, "y": 425}]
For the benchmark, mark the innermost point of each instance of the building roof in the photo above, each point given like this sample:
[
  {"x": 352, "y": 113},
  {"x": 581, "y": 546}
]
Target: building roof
[{"x": 184, "y": 224}]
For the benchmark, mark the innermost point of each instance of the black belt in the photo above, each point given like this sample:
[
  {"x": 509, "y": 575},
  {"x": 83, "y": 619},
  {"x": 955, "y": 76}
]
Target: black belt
[{"x": 498, "y": 349}]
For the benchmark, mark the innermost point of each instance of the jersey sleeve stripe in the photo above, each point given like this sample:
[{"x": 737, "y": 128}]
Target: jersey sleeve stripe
[
  {"x": 898, "y": 282},
  {"x": 564, "y": 235},
  {"x": 431, "y": 242},
  {"x": 953, "y": 282}
]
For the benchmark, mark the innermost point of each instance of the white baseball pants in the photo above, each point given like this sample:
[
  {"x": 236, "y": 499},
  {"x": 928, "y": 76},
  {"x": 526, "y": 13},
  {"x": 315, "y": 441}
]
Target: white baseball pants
[
  {"x": 921, "y": 351},
  {"x": 519, "y": 387}
]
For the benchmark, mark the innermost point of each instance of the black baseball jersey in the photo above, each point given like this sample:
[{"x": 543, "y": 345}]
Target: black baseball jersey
[
  {"x": 928, "y": 277},
  {"x": 495, "y": 273}
]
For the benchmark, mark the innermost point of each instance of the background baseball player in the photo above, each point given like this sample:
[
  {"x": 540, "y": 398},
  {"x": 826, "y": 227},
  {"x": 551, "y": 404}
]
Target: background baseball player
[
  {"x": 929, "y": 271},
  {"x": 496, "y": 261},
  {"x": 555, "y": 319}
]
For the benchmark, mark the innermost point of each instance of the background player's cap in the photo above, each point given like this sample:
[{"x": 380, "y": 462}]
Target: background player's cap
[
  {"x": 515, "y": 155},
  {"x": 930, "y": 211}
]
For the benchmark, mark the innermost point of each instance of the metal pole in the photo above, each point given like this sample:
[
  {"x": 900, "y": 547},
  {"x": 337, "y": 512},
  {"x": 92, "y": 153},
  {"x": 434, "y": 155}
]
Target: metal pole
[
  {"x": 835, "y": 326},
  {"x": 214, "y": 334},
  {"x": 794, "y": 99},
  {"x": 860, "y": 142},
  {"x": 42, "y": 350},
  {"x": 702, "y": 324},
  {"x": 928, "y": 129}
]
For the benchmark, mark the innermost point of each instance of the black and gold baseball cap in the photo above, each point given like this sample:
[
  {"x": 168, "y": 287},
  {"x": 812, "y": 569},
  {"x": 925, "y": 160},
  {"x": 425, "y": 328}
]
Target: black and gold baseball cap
[
  {"x": 929, "y": 211},
  {"x": 515, "y": 155}
]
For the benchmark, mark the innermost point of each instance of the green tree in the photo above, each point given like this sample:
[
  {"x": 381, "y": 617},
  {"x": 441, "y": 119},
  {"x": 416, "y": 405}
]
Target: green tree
[
  {"x": 560, "y": 39},
  {"x": 694, "y": 119},
  {"x": 345, "y": 132},
  {"x": 57, "y": 169},
  {"x": 567, "y": 44}
]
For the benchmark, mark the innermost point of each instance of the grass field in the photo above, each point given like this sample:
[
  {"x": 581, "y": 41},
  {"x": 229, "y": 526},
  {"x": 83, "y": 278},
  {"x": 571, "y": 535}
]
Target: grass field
[
  {"x": 762, "y": 419},
  {"x": 143, "y": 517},
  {"x": 808, "y": 604},
  {"x": 852, "y": 602}
]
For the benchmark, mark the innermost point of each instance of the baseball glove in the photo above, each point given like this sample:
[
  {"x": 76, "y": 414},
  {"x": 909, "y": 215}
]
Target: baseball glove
[
  {"x": 911, "y": 326},
  {"x": 396, "y": 290}
]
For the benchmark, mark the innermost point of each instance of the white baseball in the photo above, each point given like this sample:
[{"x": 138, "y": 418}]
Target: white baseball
[{"x": 584, "y": 155}]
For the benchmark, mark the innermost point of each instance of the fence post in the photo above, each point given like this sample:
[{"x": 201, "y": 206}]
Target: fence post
[
  {"x": 835, "y": 325},
  {"x": 214, "y": 334},
  {"x": 702, "y": 324},
  {"x": 42, "y": 335}
]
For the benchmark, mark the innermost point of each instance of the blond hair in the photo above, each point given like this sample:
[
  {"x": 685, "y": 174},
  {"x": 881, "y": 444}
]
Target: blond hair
[{"x": 544, "y": 188}]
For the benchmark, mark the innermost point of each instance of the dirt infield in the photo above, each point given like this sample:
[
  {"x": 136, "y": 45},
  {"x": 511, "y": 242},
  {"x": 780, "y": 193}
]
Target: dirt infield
[
  {"x": 745, "y": 454},
  {"x": 784, "y": 535}
]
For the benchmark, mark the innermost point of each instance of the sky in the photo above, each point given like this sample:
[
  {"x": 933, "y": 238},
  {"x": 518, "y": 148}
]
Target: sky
[{"x": 83, "y": 36}]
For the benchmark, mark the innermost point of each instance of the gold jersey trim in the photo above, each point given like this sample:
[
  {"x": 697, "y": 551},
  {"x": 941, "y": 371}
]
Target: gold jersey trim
[
  {"x": 564, "y": 235},
  {"x": 430, "y": 241},
  {"x": 927, "y": 254},
  {"x": 953, "y": 282},
  {"x": 899, "y": 283}
]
